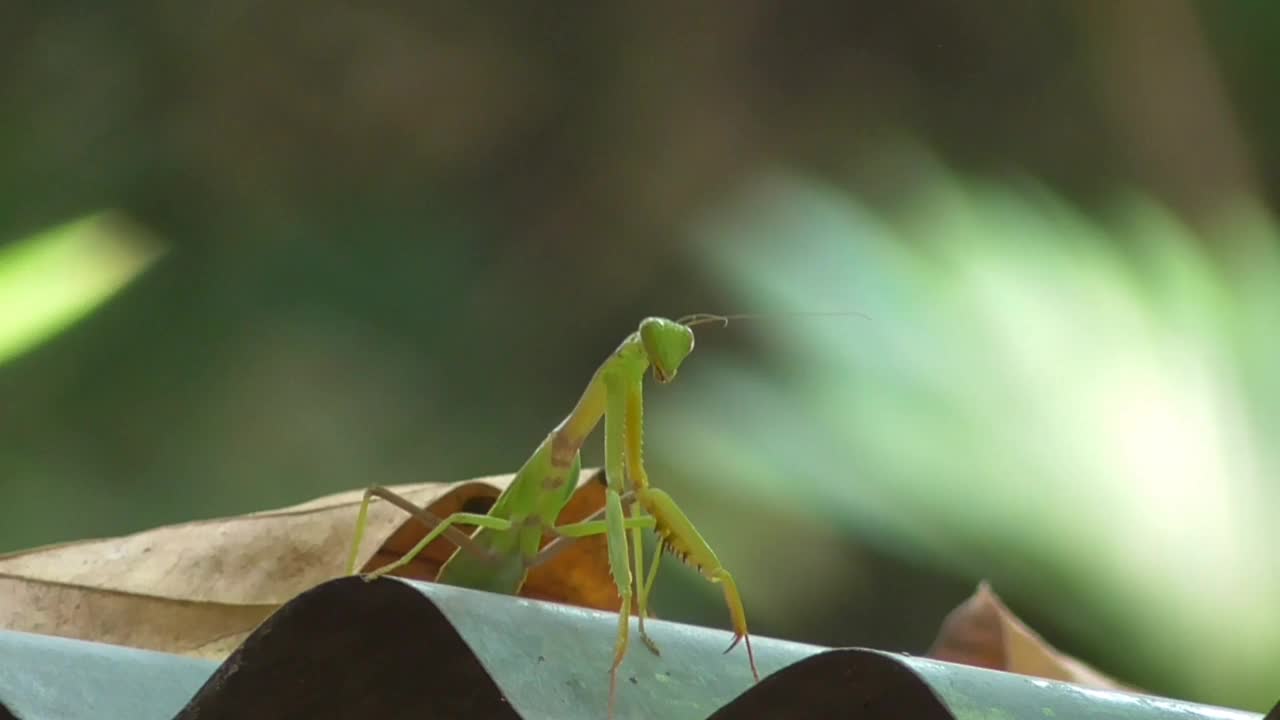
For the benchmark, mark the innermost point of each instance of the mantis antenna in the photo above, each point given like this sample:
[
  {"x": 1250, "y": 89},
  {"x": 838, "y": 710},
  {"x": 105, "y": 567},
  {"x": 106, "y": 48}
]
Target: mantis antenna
[
  {"x": 702, "y": 319},
  {"x": 696, "y": 319}
]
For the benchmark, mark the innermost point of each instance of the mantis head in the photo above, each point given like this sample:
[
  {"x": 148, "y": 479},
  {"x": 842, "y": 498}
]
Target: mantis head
[{"x": 667, "y": 343}]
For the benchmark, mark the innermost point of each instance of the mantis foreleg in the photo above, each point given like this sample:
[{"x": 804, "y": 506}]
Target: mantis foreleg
[
  {"x": 675, "y": 531},
  {"x": 678, "y": 535}
]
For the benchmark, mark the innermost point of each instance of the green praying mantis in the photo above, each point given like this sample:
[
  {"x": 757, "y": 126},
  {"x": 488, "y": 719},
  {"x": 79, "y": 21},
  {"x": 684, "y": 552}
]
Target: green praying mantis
[{"x": 508, "y": 540}]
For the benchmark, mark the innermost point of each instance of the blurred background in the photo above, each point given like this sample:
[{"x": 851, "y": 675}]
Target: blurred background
[{"x": 252, "y": 254}]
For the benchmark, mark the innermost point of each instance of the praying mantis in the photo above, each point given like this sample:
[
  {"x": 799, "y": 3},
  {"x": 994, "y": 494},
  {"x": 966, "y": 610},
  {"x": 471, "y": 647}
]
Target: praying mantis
[{"x": 508, "y": 540}]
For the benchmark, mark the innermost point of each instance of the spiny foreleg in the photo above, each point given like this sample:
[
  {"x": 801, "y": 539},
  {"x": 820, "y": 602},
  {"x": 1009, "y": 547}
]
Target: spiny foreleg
[{"x": 678, "y": 535}]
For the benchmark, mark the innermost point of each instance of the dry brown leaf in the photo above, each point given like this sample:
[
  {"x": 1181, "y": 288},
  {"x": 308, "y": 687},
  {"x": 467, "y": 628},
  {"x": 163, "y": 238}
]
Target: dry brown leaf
[
  {"x": 198, "y": 588},
  {"x": 983, "y": 632},
  {"x": 200, "y": 629}
]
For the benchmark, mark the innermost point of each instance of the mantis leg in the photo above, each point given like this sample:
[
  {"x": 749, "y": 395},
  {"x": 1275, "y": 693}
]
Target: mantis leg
[
  {"x": 587, "y": 528},
  {"x": 675, "y": 532},
  {"x": 682, "y": 539},
  {"x": 643, "y": 595},
  {"x": 486, "y": 521},
  {"x": 615, "y": 520},
  {"x": 633, "y": 440},
  {"x": 423, "y": 515},
  {"x": 637, "y": 547},
  {"x": 428, "y": 518}
]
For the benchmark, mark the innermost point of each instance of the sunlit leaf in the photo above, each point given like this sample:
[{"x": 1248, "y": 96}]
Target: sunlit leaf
[{"x": 51, "y": 280}]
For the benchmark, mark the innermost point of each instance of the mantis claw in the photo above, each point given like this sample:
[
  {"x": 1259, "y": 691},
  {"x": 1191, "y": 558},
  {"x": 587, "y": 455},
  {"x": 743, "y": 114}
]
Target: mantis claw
[
  {"x": 375, "y": 574},
  {"x": 649, "y": 643}
]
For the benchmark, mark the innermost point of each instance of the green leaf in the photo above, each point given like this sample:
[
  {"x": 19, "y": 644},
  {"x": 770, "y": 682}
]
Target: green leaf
[{"x": 50, "y": 280}]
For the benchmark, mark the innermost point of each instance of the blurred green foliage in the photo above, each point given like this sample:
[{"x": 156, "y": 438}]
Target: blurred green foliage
[
  {"x": 1079, "y": 410},
  {"x": 50, "y": 280},
  {"x": 400, "y": 238}
]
